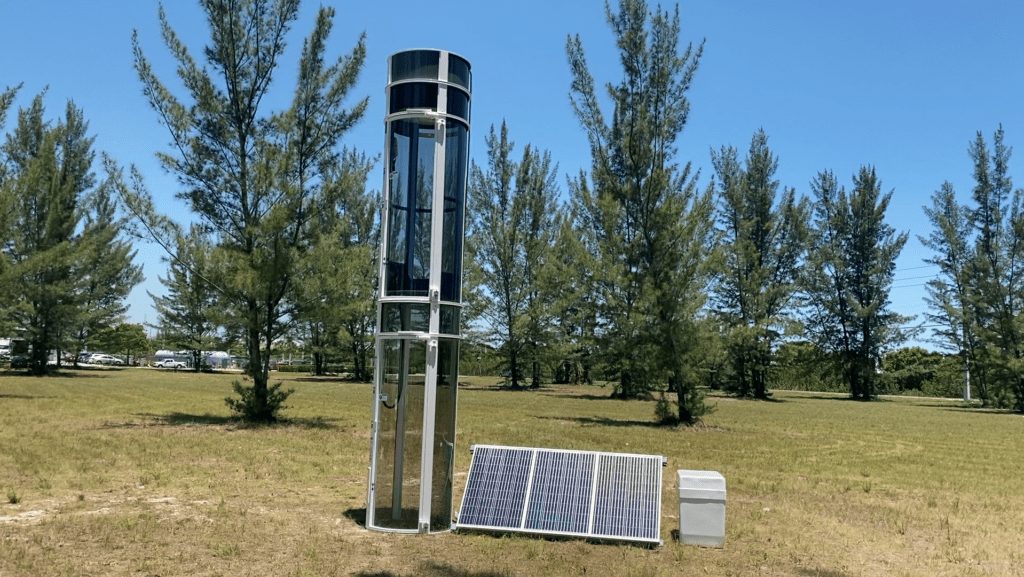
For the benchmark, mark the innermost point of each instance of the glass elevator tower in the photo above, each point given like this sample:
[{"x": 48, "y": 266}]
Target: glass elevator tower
[{"x": 420, "y": 299}]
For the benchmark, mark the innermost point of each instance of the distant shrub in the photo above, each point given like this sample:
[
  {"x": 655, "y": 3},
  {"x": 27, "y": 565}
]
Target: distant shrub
[{"x": 247, "y": 408}]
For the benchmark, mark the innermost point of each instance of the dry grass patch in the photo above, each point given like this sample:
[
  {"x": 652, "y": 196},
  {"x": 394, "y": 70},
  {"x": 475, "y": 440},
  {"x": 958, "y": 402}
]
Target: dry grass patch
[{"x": 141, "y": 472}]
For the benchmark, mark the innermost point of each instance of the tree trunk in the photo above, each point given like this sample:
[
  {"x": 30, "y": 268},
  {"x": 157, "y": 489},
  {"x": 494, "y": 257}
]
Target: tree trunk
[
  {"x": 318, "y": 363},
  {"x": 258, "y": 367}
]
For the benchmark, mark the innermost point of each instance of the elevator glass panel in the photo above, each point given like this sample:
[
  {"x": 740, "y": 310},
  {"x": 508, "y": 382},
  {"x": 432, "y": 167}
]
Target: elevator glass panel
[
  {"x": 458, "y": 72},
  {"x": 416, "y": 64},
  {"x": 410, "y": 186},
  {"x": 444, "y": 434},
  {"x": 400, "y": 434},
  {"x": 456, "y": 161}
]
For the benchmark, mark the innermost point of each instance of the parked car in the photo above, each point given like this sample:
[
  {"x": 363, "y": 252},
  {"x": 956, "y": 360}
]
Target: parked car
[
  {"x": 169, "y": 364},
  {"x": 102, "y": 359}
]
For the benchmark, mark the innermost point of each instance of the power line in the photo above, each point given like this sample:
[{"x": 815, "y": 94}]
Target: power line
[
  {"x": 914, "y": 268},
  {"x": 915, "y": 277}
]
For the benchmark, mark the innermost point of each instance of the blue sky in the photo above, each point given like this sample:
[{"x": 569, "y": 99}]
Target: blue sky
[{"x": 899, "y": 84}]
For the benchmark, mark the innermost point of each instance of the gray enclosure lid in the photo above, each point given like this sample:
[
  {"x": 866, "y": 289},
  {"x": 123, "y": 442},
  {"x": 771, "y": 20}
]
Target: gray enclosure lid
[{"x": 588, "y": 494}]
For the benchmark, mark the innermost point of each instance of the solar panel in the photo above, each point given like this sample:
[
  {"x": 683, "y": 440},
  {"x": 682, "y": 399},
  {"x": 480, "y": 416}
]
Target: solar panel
[{"x": 590, "y": 494}]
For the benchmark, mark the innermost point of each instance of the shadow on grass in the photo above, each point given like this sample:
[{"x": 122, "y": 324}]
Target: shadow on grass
[
  {"x": 434, "y": 569},
  {"x": 22, "y": 397},
  {"x": 357, "y": 516},
  {"x": 582, "y": 397},
  {"x": 840, "y": 398},
  {"x": 62, "y": 374},
  {"x": 606, "y": 422},
  {"x": 177, "y": 419},
  {"x": 980, "y": 410},
  {"x": 312, "y": 379}
]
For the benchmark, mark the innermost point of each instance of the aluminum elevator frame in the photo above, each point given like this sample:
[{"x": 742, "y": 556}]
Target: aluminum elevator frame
[{"x": 420, "y": 297}]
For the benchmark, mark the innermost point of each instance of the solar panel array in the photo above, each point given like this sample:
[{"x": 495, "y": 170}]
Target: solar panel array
[{"x": 588, "y": 494}]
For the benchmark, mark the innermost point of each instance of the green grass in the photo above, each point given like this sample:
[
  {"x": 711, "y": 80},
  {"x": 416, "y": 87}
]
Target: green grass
[{"x": 142, "y": 472}]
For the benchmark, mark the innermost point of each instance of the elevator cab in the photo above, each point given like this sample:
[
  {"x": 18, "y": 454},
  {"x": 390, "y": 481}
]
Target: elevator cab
[{"x": 419, "y": 305}]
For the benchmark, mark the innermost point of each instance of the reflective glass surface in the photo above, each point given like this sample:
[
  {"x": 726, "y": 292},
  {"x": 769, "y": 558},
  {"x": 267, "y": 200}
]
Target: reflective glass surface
[
  {"x": 413, "y": 95},
  {"x": 450, "y": 319},
  {"x": 415, "y": 64},
  {"x": 400, "y": 434},
  {"x": 444, "y": 434},
  {"x": 458, "y": 72},
  {"x": 455, "y": 167},
  {"x": 410, "y": 187},
  {"x": 405, "y": 317},
  {"x": 458, "y": 103}
]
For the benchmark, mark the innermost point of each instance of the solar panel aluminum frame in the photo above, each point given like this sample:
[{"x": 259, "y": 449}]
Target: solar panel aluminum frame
[{"x": 524, "y": 490}]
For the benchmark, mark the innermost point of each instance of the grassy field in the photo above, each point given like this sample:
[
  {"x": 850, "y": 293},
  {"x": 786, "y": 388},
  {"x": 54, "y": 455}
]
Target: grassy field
[{"x": 141, "y": 472}]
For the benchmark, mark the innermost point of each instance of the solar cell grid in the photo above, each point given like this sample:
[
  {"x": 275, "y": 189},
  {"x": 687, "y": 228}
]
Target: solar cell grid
[
  {"x": 623, "y": 504},
  {"x": 495, "y": 496},
  {"x": 578, "y": 493},
  {"x": 560, "y": 494}
]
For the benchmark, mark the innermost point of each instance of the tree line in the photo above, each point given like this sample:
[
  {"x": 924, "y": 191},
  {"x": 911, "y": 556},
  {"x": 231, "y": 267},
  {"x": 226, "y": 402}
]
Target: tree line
[
  {"x": 638, "y": 273},
  {"x": 644, "y": 278}
]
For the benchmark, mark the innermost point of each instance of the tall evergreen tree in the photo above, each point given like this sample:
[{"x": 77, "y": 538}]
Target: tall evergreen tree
[
  {"x": 337, "y": 275},
  {"x": 640, "y": 211},
  {"x": 106, "y": 270},
  {"x": 7, "y": 205},
  {"x": 511, "y": 230},
  {"x": 250, "y": 176},
  {"x": 48, "y": 175},
  {"x": 187, "y": 312},
  {"x": 950, "y": 293},
  {"x": 849, "y": 274},
  {"x": 571, "y": 282},
  {"x": 763, "y": 238},
  {"x": 997, "y": 284}
]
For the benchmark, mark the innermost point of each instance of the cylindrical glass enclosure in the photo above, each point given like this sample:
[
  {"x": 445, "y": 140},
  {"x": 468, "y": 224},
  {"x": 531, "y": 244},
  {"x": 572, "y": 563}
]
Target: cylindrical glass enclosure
[{"x": 420, "y": 300}]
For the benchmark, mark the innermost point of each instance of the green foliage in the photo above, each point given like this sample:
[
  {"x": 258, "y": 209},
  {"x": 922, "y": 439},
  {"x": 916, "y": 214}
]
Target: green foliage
[
  {"x": 12, "y": 497},
  {"x": 639, "y": 213},
  {"x": 107, "y": 274},
  {"x": 849, "y": 274},
  {"x": 253, "y": 178},
  {"x": 571, "y": 274},
  {"x": 763, "y": 237},
  {"x": 127, "y": 339},
  {"x": 335, "y": 278},
  {"x": 64, "y": 272},
  {"x": 976, "y": 296},
  {"x": 917, "y": 371},
  {"x": 511, "y": 230},
  {"x": 188, "y": 311},
  {"x": 250, "y": 407},
  {"x": 803, "y": 366}
]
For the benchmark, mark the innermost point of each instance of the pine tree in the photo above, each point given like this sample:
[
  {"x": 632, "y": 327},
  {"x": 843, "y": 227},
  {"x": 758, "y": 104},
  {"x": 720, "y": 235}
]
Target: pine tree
[
  {"x": 250, "y": 176},
  {"x": 949, "y": 294},
  {"x": 848, "y": 277},
  {"x": 571, "y": 281},
  {"x": 126, "y": 339},
  {"x": 996, "y": 283},
  {"x": 510, "y": 233},
  {"x": 334, "y": 302},
  {"x": 187, "y": 313},
  {"x": 7, "y": 206},
  {"x": 105, "y": 270},
  {"x": 640, "y": 212},
  {"x": 763, "y": 239},
  {"x": 48, "y": 176}
]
